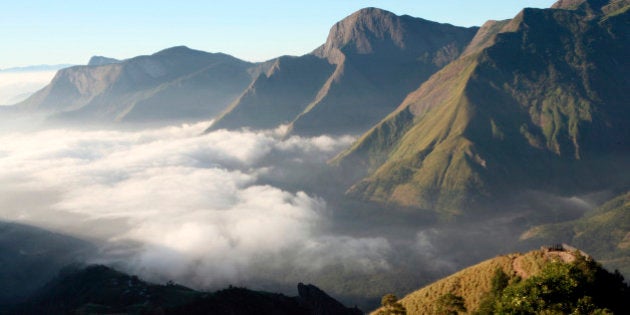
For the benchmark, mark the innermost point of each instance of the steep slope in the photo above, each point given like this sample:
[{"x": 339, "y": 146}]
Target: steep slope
[
  {"x": 605, "y": 233},
  {"x": 172, "y": 84},
  {"x": 102, "y": 290},
  {"x": 369, "y": 62},
  {"x": 532, "y": 104},
  {"x": 566, "y": 275}
]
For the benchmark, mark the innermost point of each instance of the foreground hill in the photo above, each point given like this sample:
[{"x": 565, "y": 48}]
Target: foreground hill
[
  {"x": 99, "y": 290},
  {"x": 369, "y": 62},
  {"x": 170, "y": 85},
  {"x": 539, "y": 102},
  {"x": 556, "y": 280},
  {"x": 605, "y": 233}
]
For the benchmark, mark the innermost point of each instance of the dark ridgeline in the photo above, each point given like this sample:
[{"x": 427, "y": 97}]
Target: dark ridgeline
[{"x": 98, "y": 289}]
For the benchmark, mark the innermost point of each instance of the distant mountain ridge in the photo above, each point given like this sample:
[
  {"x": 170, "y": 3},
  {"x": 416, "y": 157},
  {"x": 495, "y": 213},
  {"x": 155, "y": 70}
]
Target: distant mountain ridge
[
  {"x": 530, "y": 105},
  {"x": 172, "y": 84}
]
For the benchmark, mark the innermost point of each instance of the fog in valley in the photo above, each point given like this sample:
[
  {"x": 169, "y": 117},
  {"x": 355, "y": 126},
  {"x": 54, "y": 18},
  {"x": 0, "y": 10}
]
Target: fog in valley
[{"x": 253, "y": 208}]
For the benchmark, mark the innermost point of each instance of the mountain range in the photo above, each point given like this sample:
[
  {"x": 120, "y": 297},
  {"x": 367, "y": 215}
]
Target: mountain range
[
  {"x": 460, "y": 123},
  {"x": 369, "y": 62},
  {"x": 452, "y": 118}
]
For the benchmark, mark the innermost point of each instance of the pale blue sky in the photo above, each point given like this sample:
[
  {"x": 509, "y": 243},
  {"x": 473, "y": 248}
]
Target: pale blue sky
[{"x": 71, "y": 31}]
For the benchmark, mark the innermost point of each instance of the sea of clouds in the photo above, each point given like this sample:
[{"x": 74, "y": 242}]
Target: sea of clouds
[
  {"x": 180, "y": 204},
  {"x": 17, "y": 86}
]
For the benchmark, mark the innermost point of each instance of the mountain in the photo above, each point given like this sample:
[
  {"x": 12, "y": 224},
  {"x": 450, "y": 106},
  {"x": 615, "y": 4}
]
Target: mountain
[
  {"x": 552, "y": 280},
  {"x": 173, "y": 84},
  {"x": 535, "y": 103},
  {"x": 369, "y": 62},
  {"x": 99, "y": 289},
  {"x": 604, "y": 232}
]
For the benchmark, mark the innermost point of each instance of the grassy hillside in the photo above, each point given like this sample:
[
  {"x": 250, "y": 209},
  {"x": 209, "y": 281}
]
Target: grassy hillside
[
  {"x": 530, "y": 106},
  {"x": 605, "y": 233},
  {"x": 493, "y": 283}
]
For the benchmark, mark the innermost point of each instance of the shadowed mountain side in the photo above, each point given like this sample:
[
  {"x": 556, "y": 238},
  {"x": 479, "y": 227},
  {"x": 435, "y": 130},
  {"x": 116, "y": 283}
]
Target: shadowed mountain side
[
  {"x": 277, "y": 96},
  {"x": 535, "y": 109},
  {"x": 171, "y": 84},
  {"x": 100, "y": 289}
]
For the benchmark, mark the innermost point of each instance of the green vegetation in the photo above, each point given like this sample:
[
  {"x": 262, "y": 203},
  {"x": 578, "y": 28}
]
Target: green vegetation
[{"x": 580, "y": 287}]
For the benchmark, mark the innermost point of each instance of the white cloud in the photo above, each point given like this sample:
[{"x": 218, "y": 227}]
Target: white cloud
[
  {"x": 192, "y": 203},
  {"x": 17, "y": 86}
]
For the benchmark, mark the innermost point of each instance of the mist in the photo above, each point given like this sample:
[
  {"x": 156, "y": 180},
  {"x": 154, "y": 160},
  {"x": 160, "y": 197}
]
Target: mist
[
  {"x": 172, "y": 203},
  {"x": 255, "y": 208},
  {"x": 17, "y": 86}
]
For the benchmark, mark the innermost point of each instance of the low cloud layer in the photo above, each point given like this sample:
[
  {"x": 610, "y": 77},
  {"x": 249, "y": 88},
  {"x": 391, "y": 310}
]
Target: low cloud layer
[
  {"x": 17, "y": 86},
  {"x": 178, "y": 204}
]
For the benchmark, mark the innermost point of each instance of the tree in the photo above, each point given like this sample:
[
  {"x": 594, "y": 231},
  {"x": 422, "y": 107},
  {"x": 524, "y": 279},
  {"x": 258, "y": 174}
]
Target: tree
[
  {"x": 391, "y": 306},
  {"x": 499, "y": 282},
  {"x": 450, "y": 304}
]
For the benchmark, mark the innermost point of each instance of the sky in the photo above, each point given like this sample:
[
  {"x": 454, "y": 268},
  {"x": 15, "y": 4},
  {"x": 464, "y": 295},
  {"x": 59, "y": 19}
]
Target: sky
[{"x": 70, "y": 32}]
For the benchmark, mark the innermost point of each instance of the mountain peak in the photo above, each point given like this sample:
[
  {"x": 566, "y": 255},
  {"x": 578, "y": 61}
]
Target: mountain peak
[
  {"x": 177, "y": 50},
  {"x": 101, "y": 61},
  {"x": 360, "y": 31}
]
